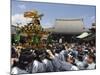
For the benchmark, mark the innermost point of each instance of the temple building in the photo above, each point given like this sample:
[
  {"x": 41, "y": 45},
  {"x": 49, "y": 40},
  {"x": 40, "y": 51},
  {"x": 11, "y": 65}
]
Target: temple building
[{"x": 69, "y": 28}]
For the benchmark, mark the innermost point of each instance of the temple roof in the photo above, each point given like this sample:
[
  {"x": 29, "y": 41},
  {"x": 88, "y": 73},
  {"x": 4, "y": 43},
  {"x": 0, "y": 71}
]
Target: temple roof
[{"x": 69, "y": 26}]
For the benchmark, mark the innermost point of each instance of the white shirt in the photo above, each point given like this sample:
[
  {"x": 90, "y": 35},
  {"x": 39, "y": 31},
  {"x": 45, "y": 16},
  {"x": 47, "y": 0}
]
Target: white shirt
[
  {"x": 80, "y": 65},
  {"x": 60, "y": 40},
  {"x": 91, "y": 66},
  {"x": 17, "y": 70},
  {"x": 74, "y": 68}
]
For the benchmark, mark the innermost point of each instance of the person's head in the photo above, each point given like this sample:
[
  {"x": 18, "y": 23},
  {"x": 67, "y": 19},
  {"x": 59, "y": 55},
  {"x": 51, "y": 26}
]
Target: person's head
[
  {"x": 39, "y": 54},
  {"x": 90, "y": 58},
  {"x": 70, "y": 59},
  {"x": 61, "y": 47},
  {"x": 79, "y": 49},
  {"x": 25, "y": 59},
  {"x": 51, "y": 48},
  {"x": 80, "y": 57},
  {"x": 47, "y": 54}
]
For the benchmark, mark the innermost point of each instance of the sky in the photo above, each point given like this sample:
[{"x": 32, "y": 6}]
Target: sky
[{"x": 52, "y": 11}]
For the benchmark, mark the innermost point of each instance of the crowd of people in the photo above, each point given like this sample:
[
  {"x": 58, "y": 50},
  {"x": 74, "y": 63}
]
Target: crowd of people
[{"x": 53, "y": 57}]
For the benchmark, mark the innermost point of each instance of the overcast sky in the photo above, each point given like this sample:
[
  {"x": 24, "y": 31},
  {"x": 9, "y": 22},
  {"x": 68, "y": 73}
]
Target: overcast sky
[{"x": 52, "y": 11}]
